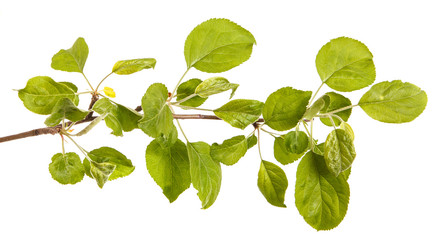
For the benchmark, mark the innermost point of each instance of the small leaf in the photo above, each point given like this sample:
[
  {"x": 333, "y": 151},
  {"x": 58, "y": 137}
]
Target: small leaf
[
  {"x": 72, "y": 59},
  {"x": 336, "y": 101},
  {"x": 169, "y": 167},
  {"x": 101, "y": 172},
  {"x": 285, "y": 107},
  {"x": 67, "y": 168},
  {"x": 215, "y": 85},
  {"x": 347, "y": 128},
  {"x": 339, "y": 151},
  {"x": 345, "y": 65},
  {"x": 321, "y": 198},
  {"x": 158, "y": 118},
  {"x": 272, "y": 182},
  {"x": 187, "y": 89},
  {"x": 41, "y": 94},
  {"x": 109, "y": 92},
  {"x": 316, "y": 107},
  {"x": 296, "y": 142},
  {"x": 230, "y": 151},
  {"x": 126, "y": 67},
  {"x": 218, "y": 45},
  {"x": 122, "y": 166},
  {"x": 282, "y": 155},
  {"x": 394, "y": 102},
  {"x": 65, "y": 109},
  {"x": 251, "y": 141},
  {"x": 240, "y": 113},
  {"x": 206, "y": 174}
]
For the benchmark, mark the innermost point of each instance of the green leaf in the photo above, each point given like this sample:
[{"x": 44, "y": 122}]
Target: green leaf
[
  {"x": 336, "y": 101},
  {"x": 347, "y": 128},
  {"x": 339, "y": 152},
  {"x": 187, "y": 89},
  {"x": 230, "y": 151},
  {"x": 346, "y": 174},
  {"x": 206, "y": 173},
  {"x": 251, "y": 141},
  {"x": 345, "y": 65},
  {"x": 41, "y": 94},
  {"x": 123, "y": 166},
  {"x": 119, "y": 118},
  {"x": 215, "y": 85},
  {"x": 282, "y": 155},
  {"x": 394, "y": 102},
  {"x": 285, "y": 107},
  {"x": 158, "y": 118},
  {"x": 316, "y": 107},
  {"x": 240, "y": 112},
  {"x": 72, "y": 59},
  {"x": 296, "y": 142},
  {"x": 169, "y": 167},
  {"x": 67, "y": 168},
  {"x": 218, "y": 45},
  {"x": 74, "y": 89},
  {"x": 65, "y": 109},
  {"x": 101, "y": 172},
  {"x": 126, "y": 67},
  {"x": 321, "y": 198},
  {"x": 272, "y": 182}
]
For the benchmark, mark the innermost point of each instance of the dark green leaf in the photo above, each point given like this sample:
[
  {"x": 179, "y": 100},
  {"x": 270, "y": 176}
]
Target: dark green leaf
[
  {"x": 345, "y": 64},
  {"x": 169, "y": 167},
  {"x": 72, "y": 59},
  {"x": 158, "y": 118},
  {"x": 215, "y": 85},
  {"x": 65, "y": 109},
  {"x": 67, "y": 168},
  {"x": 394, "y": 102},
  {"x": 282, "y": 155},
  {"x": 240, "y": 112},
  {"x": 218, "y": 45},
  {"x": 187, "y": 89},
  {"x": 285, "y": 107},
  {"x": 230, "y": 151},
  {"x": 336, "y": 101},
  {"x": 321, "y": 198},
  {"x": 41, "y": 94},
  {"x": 126, "y": 67},
  {"x": 339, "y": 151},
  {"x": 206, "y": 174},
  {"x": 272, "y": 182},
  {"x": 296, "y": 142}
]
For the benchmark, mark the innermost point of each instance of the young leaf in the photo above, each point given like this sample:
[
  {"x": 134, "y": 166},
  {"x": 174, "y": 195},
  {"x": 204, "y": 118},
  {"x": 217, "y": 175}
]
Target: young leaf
[
  {"x": 215, "y": 85},
  {"x": 347, "y": 128},
  {"x": 41, "y": 94},
  {"x": 240, "y": 112},
  {"x": 321, "y": 198},
  {"x": 345, "y": 65},
  {"x": 122, "y": 166},
  {"x": 218, "y": 45},
  {"x": 101, "y": 172},
  {"x": 296, "y": 142},
  {"x": 109, "y": 92},
  {"x": 187, "y": 89},
  {"x": 339, "y": 151},
  {"x": 72, "y": 59},
  {"x": 285, "y": 107},
  {"x": 230, "y": 151},
  {"x": 282, "y": 155},
  {"x": 67, "y": 168},
  {"x": 65, "y": 109},
  {"x": 336, "y": 101},
  {"x": 169, "y": 167},
  {"x": 272, "y": 182},
  {"x": 316, "y": 107},
  {"x": 158, "y": 118},
  {"x": 126, "y": 67},
  {"x": 119, "y": 118},
  {"x": 394, "y": 102},
  {"x": 206, "y": 173},
  {"x": 251, "y": 141}
]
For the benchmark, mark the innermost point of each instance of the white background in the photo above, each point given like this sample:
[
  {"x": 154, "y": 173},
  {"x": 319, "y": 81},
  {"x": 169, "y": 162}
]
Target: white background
[{"x": 394, "y": 182}]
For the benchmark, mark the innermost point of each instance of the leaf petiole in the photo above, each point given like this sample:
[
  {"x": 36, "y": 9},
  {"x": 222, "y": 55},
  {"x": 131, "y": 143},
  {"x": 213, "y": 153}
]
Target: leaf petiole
[
  {"x": 99, "y": 84},
  {"x": 90, "y": 85},
  {"x": 316, "y": 93},
  {"x": 177, "y": 85}
]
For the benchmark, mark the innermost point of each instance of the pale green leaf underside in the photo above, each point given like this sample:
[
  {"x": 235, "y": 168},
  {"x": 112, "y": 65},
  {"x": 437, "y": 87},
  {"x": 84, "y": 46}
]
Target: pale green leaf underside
[
  {"x": 230, "y": 151},
  {"x": 125, "y": 67},
  {"x": 339, "y": 152},
  {"x": 321, "y": 198},
  {"x": 72, "y": 59},
  {"x": 394, "y": 102},
  {"x": 240, "y": 113},
  {"x": 67, "y": 168},
  {"x": 215, "y": 85},
  {"x": 41, "y": 94},
  {"x": 345, "y": 64},
  {"x": 272, "y": 182},
  {"x": 282, "y": 155},
  {"x": 218, "y": 45},
  {"x": 206, "y": 174},
  {"x": 187, "y": 89},
  {"x": 169, "y": 167},
  {"x": 65, "y": 109}
]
